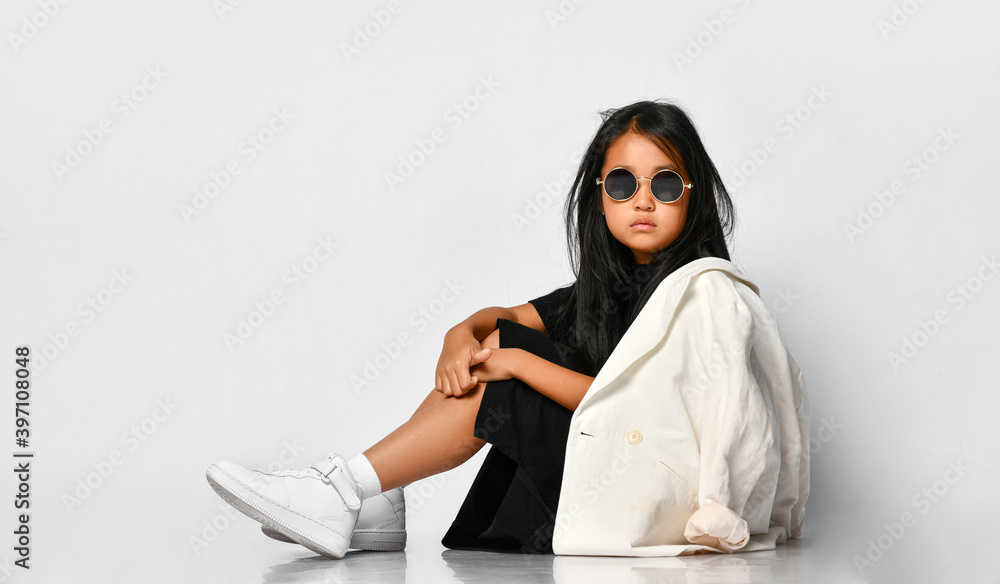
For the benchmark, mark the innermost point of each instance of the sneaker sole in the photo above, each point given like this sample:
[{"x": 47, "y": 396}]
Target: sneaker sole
[
  {"x": 379, "y": 541},
  {"x": 299, "y": 528},
  {"x": 368, "y": 540}
]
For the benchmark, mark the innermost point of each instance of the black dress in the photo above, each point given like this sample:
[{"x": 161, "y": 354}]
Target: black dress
[{"x": 512, "y": 502}]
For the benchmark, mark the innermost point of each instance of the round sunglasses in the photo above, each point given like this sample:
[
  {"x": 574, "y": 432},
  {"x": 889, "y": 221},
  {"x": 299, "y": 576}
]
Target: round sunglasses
[{"x": 666, "y": 185}]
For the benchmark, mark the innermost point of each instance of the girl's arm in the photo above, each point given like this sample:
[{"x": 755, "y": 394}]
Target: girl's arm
[
  {"x": 563, "y": 386},
  {"x": 452, "y": 376},
  {"x": 483, "y": 322}
]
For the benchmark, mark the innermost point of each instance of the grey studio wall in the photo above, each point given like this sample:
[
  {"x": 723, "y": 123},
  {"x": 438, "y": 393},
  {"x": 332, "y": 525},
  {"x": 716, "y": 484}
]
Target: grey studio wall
[{"x": 240, "y": 230}]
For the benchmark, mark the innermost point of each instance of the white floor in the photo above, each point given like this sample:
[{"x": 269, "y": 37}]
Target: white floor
[{"x": 267, "y": 561}]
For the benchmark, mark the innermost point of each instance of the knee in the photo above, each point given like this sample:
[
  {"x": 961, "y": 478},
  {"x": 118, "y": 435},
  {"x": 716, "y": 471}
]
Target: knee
[{"x": 473, "y": 397}]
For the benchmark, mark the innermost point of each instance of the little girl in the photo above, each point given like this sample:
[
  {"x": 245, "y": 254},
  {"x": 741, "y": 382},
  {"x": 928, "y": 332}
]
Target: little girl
[{"x": 646, "y": 200}]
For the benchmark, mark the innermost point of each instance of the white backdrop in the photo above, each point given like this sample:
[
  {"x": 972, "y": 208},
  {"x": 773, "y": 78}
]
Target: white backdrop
[{"x": 217, "y": 217}]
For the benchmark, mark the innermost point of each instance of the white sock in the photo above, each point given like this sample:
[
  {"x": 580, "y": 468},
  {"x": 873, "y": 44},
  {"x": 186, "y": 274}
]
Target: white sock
[{"x": 364, "y": 475}]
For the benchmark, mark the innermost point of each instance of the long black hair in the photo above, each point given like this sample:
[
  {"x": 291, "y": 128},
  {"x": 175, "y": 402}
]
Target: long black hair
[{"x": 605, "y": 268}]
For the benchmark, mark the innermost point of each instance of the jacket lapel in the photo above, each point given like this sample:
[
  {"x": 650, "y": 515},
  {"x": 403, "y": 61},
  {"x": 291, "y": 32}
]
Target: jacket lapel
[{"x": 652, "y": 321}]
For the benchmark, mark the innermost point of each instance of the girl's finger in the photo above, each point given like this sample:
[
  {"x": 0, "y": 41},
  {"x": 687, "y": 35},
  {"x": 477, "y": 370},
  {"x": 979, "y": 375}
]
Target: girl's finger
[
  {"x": 481, "y": 356},
  {"x": 463, "y": 378},
  {"x": 453, "y": 382}
]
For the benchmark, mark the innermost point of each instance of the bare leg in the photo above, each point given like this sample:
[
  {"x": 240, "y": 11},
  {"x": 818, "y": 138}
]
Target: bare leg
[
  {"x": 433, "y": 441},
  {"x": 432, "y": 398},
  {"x": 437, "y": 437}
]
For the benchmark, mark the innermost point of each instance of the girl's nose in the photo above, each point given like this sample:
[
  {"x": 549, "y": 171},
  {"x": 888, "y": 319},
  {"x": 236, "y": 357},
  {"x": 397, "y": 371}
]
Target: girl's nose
[{"x": 644, "y": 196}]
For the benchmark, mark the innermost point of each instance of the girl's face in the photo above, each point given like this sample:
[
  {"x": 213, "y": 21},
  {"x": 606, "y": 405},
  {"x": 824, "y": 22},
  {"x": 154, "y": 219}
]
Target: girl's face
[{"x": 643, "y": 158}]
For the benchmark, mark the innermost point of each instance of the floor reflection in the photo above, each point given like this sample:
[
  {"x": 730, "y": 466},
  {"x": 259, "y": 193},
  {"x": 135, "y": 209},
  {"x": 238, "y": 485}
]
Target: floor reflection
[
  {"x": 789, "y": 563},
  {"x": 783, "y": 565},
  {"x": 356, "y": 566},
  {"x": 468, "y": 566}
]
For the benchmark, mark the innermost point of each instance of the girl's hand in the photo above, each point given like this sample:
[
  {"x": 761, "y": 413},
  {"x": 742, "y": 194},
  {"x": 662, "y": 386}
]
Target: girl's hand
[
  {"x": 494, "y": 364},
  {"x": 452, "y": 377}
]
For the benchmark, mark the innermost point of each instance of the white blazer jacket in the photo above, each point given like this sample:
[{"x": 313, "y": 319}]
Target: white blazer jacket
[{"x": 694, "y": 436}]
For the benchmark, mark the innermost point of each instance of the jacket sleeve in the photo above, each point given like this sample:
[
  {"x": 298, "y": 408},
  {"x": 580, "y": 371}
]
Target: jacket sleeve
[{"x": 735, "y": 434}]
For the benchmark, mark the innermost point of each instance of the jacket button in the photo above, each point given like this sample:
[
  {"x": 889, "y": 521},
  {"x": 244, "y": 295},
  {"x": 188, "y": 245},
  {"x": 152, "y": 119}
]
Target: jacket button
[{"x": 634, "y": 437}]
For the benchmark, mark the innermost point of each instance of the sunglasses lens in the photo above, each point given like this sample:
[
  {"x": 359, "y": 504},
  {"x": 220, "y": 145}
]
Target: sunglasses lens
[
  {"x": 620, "y": 184},
  {"x": 667, "y": 186}
]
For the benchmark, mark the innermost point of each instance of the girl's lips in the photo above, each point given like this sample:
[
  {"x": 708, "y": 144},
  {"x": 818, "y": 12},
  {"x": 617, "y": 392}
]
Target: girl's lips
[{"x": 643, "y": 226}]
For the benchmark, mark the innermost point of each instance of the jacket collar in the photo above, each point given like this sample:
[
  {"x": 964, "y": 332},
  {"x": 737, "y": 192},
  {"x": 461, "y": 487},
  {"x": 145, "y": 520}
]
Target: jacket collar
[{"x": 651, "y": 323}]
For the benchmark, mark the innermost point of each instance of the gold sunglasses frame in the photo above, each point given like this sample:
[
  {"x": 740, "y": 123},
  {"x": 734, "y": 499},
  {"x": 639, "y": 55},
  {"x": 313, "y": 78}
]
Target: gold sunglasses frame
[{"x": 650, "y": 179}]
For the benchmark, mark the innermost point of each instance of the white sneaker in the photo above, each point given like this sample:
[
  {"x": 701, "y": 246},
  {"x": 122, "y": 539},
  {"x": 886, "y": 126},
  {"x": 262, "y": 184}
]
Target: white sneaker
[
  {"x": 381, "y": 524},
  {"x": 316, "y": 506}
]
